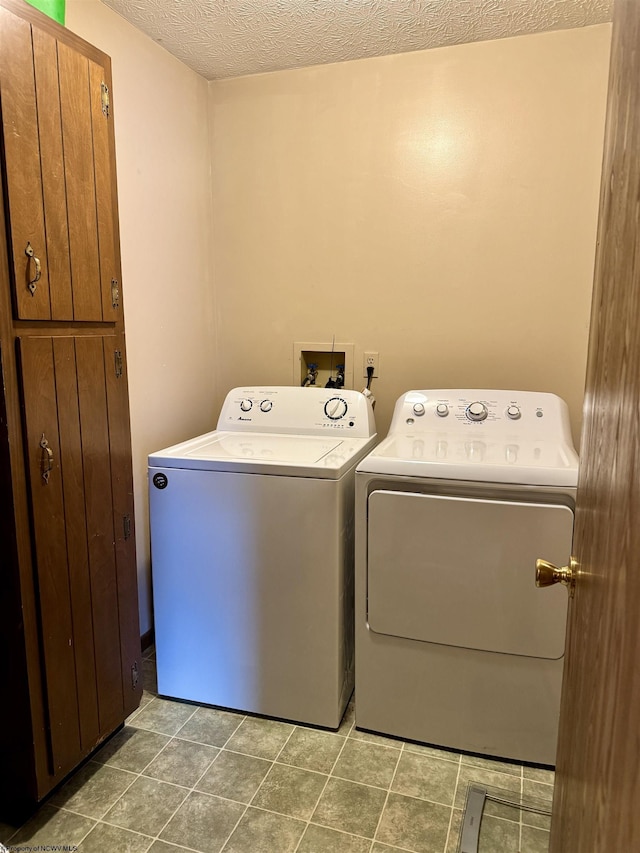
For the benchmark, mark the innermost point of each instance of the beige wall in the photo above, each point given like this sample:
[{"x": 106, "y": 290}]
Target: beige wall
[
  {"x": 160, "y": 111},
  {"x": 438, "y": 207}
]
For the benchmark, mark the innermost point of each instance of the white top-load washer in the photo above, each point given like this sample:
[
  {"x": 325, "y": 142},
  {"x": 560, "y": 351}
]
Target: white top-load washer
[
  {"x": 252, "y": 554},
  {"x": 455, "y": 645}
]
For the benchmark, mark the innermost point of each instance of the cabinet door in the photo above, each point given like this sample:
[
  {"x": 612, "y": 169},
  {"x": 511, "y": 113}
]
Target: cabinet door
[
  {"x": 85, "y": 575},
  {"x": 58, "y": 169}
]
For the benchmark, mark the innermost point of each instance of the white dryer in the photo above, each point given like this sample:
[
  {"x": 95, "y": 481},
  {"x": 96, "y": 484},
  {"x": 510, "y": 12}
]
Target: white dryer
[
  {"x": 252, "y": 554},
  {"x": 455, "y": 645}
]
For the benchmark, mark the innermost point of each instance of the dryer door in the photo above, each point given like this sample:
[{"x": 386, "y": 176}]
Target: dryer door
[{"x": 459, "y": 572}]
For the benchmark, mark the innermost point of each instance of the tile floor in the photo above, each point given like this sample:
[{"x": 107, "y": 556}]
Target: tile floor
[{"x": 181, "y": 777}]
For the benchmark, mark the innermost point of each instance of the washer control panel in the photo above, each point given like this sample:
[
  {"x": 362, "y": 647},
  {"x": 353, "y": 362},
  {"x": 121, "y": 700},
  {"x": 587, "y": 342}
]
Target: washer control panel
[
  {"x": 491, "y": 412},
  {"x": 297, "y": 411}
]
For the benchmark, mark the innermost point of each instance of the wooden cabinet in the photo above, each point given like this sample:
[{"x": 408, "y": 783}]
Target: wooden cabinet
[{"x": 69, "y": 631}]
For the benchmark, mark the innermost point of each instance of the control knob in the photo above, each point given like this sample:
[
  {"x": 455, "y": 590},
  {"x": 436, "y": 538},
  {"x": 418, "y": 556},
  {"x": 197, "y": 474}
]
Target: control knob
[
  {"x": 514, "y": 413},
  {"x": 266, "y": 406},
  {"x": 477, "y": 411},
  {"x": 418, "y": 409},
  {"x": 246, "y": 405},
  {"x": 442, "y": 410},
  {"x": 335, "y": 408}
]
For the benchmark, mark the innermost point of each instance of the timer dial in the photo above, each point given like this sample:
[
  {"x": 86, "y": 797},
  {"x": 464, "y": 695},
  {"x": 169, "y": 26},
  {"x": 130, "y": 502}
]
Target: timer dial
[
  {"x": 335, "y": 408},
  {"x": 477, "y": 411},
  {"x": 246, "y": 405},
  {"x": 266, "y": 406}
]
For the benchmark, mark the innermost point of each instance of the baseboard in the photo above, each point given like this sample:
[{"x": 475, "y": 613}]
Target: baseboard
[{"x": 147, "y": 639}]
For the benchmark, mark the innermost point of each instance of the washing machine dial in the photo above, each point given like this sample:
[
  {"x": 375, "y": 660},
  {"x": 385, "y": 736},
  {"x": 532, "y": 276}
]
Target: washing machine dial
[
  {"x": 442, "y": 410},
  {"x": 266, "y": 406},
  {"x": 514, "y": 413},
  {"x": 418, "y": 409},
  {"x": 477, "y": 411},
  {"x": 335, "y": 408},
  {"x": 246, "y": 405}
]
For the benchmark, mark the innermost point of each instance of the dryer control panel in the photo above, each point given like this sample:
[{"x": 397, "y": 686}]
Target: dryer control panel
[
  {"x": 289, "y": 410},
  {"x": 480, "y": 435},
  {"x": 529, "y": 414}
]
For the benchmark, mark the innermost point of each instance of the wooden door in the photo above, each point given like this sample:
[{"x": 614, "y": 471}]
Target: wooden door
[
  {"x": 598, "y": 765},
  {"x": 59, "y": 177},
  {"x": 84, "y": 562}
]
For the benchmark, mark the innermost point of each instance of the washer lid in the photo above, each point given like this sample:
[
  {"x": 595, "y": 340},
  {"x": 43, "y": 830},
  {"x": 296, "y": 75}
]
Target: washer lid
[
  {"x": 265, "y": 453},
  {"x": 448, "y": 456}
]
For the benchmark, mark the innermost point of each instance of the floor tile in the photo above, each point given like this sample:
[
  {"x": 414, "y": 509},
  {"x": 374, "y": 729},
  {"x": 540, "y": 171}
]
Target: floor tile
[
  {"x": 146, "y": 806},
  {"x": 164, "y": 716},
  {"x": 539, "y": 791},
  {"x": 539, "y": 774},
  {"x": 371, "y": 737},
  {"x": 290, "y": 791},
  {"x": 149, "y": 675},
  {"x": 350, "y": 807},
  {"x": 163, "y": 847},
  {"x": 131, "y": 749},
  {"x": 104, "y": 837},
  {"x": 234, "y": 776},
  {"x": 426, "y": 777},
  {"x": 93, "y": 789},
  {"x": 211, "y": 726},
  {"x": 181, "y": 762},
  {"x": 494, "y": 764},
  {"x": 321, "y": 839},
  {"x": 367, "y": 763},
  {"x": 265, "y": 832},
  {"x": 534, "y": 840},
  {"x": 492, "y": 778},
  {"x": 52, "y": 827},
  {"x": 414, "y": 824},
  {"x": 144, "y": 701},
  {"x": 6, "y": 831},
  {"x": 312, "y": 750},
  {"x": 203, "y": 822},
  {"x": 348, "y": 719},
  {"x": 433, "y": 751},
  {"x": 260, "y": 737},
  {"x": 498, "y": 834},
  {"x": 539, "y": 821},
  {"x": 454, "y": 831}
]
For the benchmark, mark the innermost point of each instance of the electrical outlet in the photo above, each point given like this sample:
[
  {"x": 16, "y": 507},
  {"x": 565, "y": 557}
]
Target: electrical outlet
[{"x": 371, "y": 359}]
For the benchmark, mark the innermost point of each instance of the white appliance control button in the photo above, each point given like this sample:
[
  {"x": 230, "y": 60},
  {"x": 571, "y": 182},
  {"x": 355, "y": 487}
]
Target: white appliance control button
[
  {"x": 418, "y": 409},
  {"x": 477, "y": 411},
  {"x": 246, "y": 405},
  {"x": 335, "y": 408},
  {"x": 442, "y": 410},
  {"x": 266, "y": 406},
  {"x": 514, "y": 413}
]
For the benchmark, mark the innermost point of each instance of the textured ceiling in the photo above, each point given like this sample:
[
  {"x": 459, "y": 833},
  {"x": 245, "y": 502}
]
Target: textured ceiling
[{"x": 228, "y": 38}]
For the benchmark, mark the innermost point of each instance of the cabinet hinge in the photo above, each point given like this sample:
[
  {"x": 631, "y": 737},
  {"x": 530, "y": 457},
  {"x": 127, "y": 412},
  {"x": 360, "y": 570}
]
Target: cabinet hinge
[
  {"x": 126, "y": 524},
  {"x": 115, "y": 293},
  {"x": 104, "y": 97},
  {"x": 118, "y": 363},
  {"x": 135, "y": 675}
]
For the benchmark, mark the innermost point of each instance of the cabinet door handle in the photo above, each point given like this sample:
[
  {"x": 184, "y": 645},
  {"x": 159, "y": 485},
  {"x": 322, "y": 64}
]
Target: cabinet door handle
[
  {"x": 38, "y": 271},
  {"x": 46, "y": 459}
]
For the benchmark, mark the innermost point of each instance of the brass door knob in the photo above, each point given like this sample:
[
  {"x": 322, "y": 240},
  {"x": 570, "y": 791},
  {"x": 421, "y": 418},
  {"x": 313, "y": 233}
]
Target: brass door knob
[{"x": 547, "y": 574}]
